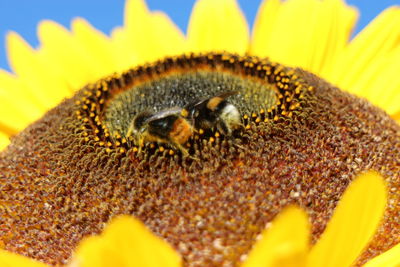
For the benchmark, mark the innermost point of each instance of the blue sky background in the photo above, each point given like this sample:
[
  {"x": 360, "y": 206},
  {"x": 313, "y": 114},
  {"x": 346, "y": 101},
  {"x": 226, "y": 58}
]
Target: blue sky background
[{"x": 23, "y": 16}]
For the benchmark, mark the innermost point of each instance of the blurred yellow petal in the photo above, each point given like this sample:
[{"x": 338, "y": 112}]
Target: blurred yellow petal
[
  {"x": 333, "y": 24},
  {"x": 4, "y": 140},
  {"x": 17, "y": 109},
  {"x": 353, "y": 223},
  {"x": 125, "y": 242},
  {"x": 13, "y": 119},
  {"x": 8, "y": 259},
  {"x": 68, "y": 60},
  {"x": 368, "y": 67},
  {"x": 14, "y": 89},
  {"x": 264, "y": 26},
  {"x": 380, "y": 82},
  {"x": 123, "y": 56},
  {"x": 285, "y": 243},
  {"x": 318, "y": 30},
  {"x": 374, "y": 41},
  {"x": 43, "y": 87},
  {"x": 218, "y": 26},
  {"x": 174, "y": 42},
  {"x": 289, "y": 41},
  {"x": 147, "y": 36},
  {"x": 96, "y": 46},
  {"x": 396, "y": 116},
  {"x": 390, "y": 258}
]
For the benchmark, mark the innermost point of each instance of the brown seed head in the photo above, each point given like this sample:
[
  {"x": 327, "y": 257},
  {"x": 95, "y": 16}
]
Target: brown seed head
[{"x": 303, "y": 141}]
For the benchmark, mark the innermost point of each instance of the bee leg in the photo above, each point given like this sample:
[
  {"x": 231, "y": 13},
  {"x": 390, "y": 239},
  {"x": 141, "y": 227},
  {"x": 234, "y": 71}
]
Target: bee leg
[
  {"x": 223, "y": 128},
  {"x": 129, "y": 132},
  {"x": 140, "y": 143},
  {"x": 185, "y": 152}
]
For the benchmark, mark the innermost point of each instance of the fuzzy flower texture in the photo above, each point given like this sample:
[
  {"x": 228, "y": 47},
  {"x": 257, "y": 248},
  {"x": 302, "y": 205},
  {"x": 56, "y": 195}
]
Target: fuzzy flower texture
[{"x": 221, "y": 147}]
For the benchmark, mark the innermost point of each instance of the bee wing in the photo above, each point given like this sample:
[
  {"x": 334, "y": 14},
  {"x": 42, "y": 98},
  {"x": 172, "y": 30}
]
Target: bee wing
[
  {"x": 223, "y": 95},
  {"x": 192, "y": 105},
  {"x": 164, "y": 114},
  {"x": 208, "y": 103},
  {"x": 214, "y": 103},
  {"x": 226, "y": 94}
]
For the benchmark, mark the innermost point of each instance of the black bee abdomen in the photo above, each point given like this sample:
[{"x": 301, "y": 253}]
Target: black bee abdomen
[{"x": 163, "y": 126}]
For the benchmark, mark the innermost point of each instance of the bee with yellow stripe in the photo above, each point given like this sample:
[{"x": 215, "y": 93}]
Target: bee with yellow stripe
[
  {"x": 176, "y": 125},
  {"x": 167, "y": 126},
  {"x": 214, "y": 113}
]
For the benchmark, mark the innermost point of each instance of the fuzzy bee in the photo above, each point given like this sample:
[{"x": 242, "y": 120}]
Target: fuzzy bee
[
  {"x": 214, "y": 113},
  {"x": 174, "y": 126},
  {"x": 167, "y": 126}
]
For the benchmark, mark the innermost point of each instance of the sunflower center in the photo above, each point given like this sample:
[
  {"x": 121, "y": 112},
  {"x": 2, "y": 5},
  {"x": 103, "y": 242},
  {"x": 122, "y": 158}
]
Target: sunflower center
[
  {"x": 68, "y": 174},
  {"x": 178, "y": 102}
]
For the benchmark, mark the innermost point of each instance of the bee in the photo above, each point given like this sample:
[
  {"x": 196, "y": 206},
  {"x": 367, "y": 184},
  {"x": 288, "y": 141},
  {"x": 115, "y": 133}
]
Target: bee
[
  {"x": 214, "y": 112},
  {"x": 167, "y": 126},
  {"x": 176, "y": 125}
]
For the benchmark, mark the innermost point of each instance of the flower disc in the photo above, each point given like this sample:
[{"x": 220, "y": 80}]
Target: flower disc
[{"x": 302, "y": 142}]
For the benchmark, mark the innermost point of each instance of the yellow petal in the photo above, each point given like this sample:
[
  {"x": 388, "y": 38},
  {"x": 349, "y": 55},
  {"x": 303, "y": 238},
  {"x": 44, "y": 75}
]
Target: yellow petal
[
  {"x": 125, "y": 242},
  {"x": 15, "y": 89},
  {"x": 218, "y": 26},
  {"x": 68, "y": 60},
  {"x": 12, "y": 120},
  {"x": 285, "y": 243},
  {"x": 17, "y": 109},
  {"x": 353, "y": 223},
  {"x": 174, "y": 42},
  {"x": 45, "y": 89},
  {"x": 390, "y": 258},
  {"x": 4, "y": 140},
  {"x": 301, "y": 33},
  {"x": 264, "y": 26},
  {"x": 124, "y": 57},
  {"x": 333, "y": 25},
  {"x": 147, "y": 36},
  {"x": 396, "y": 116},
  {"x": 96, "y": 46},
  {"x": 381, "y": 82},
  {"x": 8, "y": 259},
  {"x": 378, "y": 39}
]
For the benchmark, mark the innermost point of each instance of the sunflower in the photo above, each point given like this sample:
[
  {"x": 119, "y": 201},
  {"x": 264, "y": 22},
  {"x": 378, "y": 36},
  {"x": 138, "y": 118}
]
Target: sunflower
[{"x": 301, "y": 142}]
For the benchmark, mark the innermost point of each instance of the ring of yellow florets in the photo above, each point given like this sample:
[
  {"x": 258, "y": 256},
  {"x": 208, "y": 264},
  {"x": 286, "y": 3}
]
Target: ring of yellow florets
[{"x": 287, "y": 87}]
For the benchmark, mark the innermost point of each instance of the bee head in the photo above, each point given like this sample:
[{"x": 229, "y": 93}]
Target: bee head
[{"x": 138, "y": 124}]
